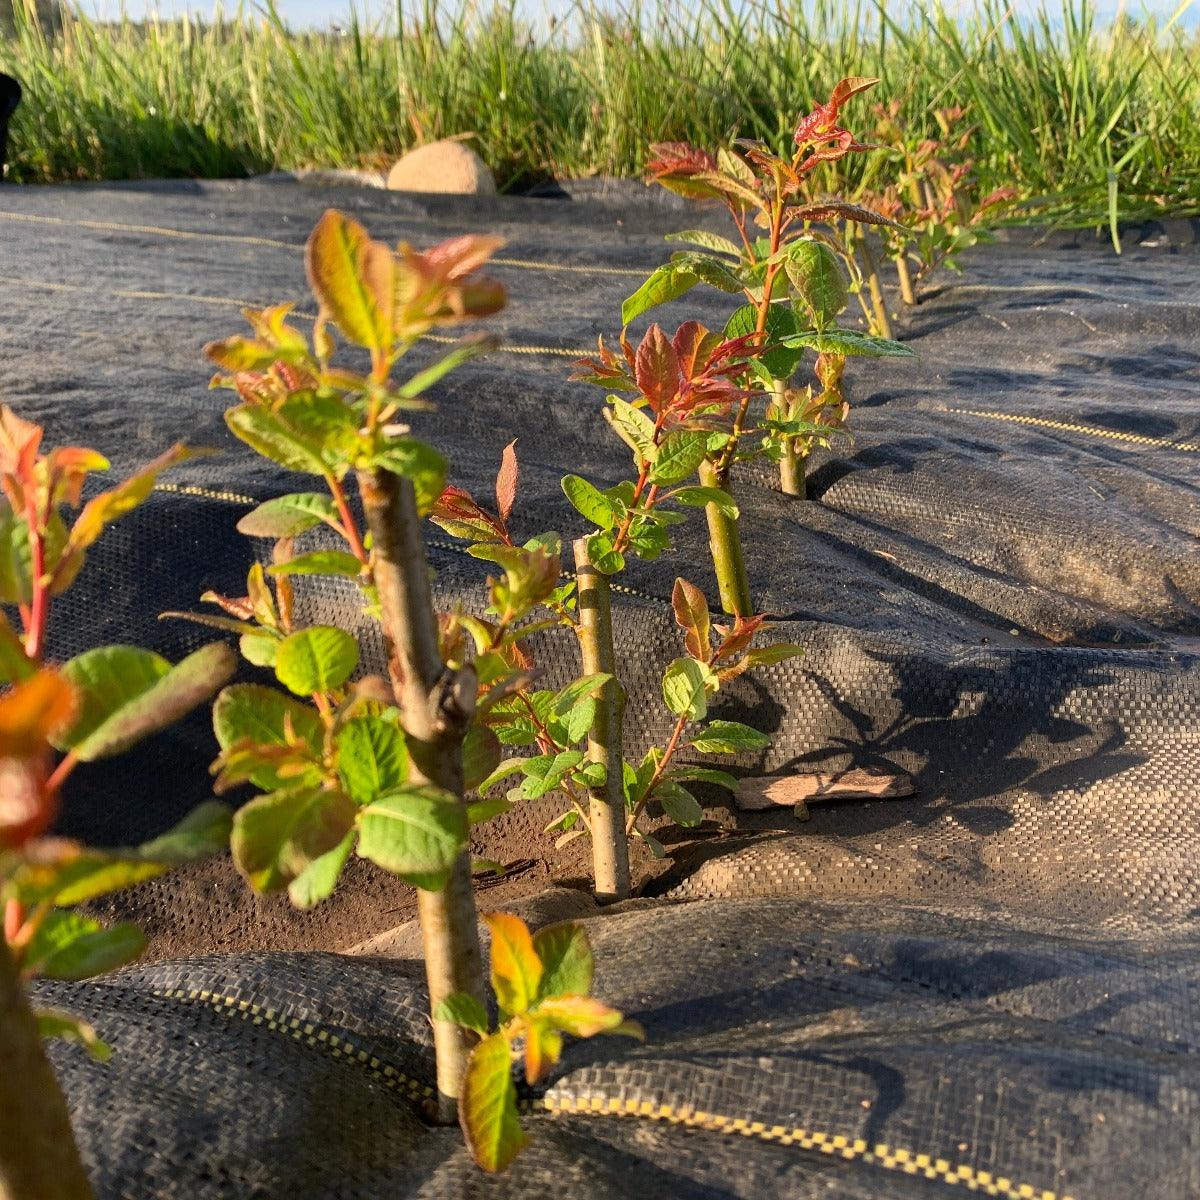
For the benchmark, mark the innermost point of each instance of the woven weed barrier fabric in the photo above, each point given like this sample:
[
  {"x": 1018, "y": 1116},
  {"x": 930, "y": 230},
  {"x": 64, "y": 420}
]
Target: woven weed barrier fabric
[{"x": 989, "y": 986}]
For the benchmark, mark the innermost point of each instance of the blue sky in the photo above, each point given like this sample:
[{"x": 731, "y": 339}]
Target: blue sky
[{"x": 321, "y": 13}]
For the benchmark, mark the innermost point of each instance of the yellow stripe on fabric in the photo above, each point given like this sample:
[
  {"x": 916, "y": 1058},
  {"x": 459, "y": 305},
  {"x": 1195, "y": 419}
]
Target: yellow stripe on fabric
[
  {"x": 1098, "y": 431},
  {"x": 233, "y": 302},
  {"x": 308, "y": 1032},
  {"x": 892, "y": 1158},
  {"x": 245, "y": 239}
]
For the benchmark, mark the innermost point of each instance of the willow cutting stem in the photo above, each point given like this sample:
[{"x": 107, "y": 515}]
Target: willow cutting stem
[
  {"x": 38, "y": 1158},
  {"x": 610, "y": 844},
  {"x": 436, "y": 706},
  {"x": 724, "y": 542}
]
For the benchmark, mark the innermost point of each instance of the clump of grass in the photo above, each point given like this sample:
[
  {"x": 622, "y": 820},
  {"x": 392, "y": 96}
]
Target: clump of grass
[{"x": 1066, "y": 110}]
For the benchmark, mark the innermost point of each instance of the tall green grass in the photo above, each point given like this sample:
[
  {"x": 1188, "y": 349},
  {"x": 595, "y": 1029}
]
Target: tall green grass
[{"x": 1062, "y": 105}]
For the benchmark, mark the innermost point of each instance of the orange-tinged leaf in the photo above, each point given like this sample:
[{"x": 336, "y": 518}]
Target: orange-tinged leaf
[
  {"x": 543, "y": 1048},
  {"x": 33, "y": 711},
  {"x": 16, "y": 436},
  {"x": 692, "y": 616},
  {"x": 487, "y": 1107},
  {"x": 354, "y": 278},
  {"x": 581, "y": 1016},
  {"x": 102, "y": 510},
  {"x": 516, "y": 968},
  {"x": 507, "y": 480}
]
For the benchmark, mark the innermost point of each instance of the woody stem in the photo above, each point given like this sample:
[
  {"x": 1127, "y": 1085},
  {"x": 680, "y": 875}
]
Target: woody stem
[{"x": 610, "y": 848}]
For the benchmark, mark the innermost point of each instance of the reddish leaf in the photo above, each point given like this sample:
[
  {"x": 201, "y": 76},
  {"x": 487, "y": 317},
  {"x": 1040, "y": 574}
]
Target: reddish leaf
[
  {"x": 506, "y": 482},
  {"x": 692, "y": 616},
  {"x": 657, "y": 367},
  {"x": 676, "y": 164},
  {"x": 735, "y": 640}
]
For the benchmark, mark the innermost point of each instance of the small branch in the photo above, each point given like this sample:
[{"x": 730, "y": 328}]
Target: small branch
[
  {"x": 59, "y": 775},
  {"x": 610, "y": 847},
  {"x": 349, "y": 525},
  {"x": 659, "y": 771}
]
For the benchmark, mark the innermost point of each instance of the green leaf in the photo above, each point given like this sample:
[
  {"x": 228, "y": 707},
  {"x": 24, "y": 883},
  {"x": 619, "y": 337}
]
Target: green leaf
[
  {"x": 102, "y": 510},
  {"x": 709, "y": 241},
  {"x": 259, "y": 649},
  {"x": 510, "y": 766},
  {"x": 848, "y": 342},
  {"x": 416, "y": 833},
  {"x": 565, "y": 699},
  {"x": 288, "y": 516},
  {"x": 720, "y": 779},
  {"x": 567, "y": 961},
  {"x": 269, "y": 434},
  {"x": 248, "y": 710},
  {"x": 560, "y": 765},
  {"x": 711, "y": 270},
  {"x": 320, "y": 562},
  {"x": 487, "y": 1108},
  {"x": 371, "y": 758},
  {"x": 463, "y": 351},
  {"x": 318, "y": 880},
  {"x": 679, "y": 804},
  {"x": 729, "y": 737},
  {"x": 126, "y": 693},
  {"x": 79, "y": 874},
  {"x": 633, "y": 427},
  {"x": 421, "y": 465},
  {"x": 782, "y": 359},
  {"x": 354, "y": 278},
  {"x": 589, "y": 501},
  {"x": 318, "y": 659},
  {"x": 733, "y": 164},
  {"x": 603, "y": 555},
  {"x": 481, "y": 754},
  {"x": 679, "y": 454},
  {"x": 665, "y": 283},
  {"x": 698, "y": 497},
  {"x": 484, "y": 810},
  {"x": 70, "y": 946},
  {"x": 516, "y": 968},
  {"x": 767, "y": 655},
  {"x": 278, "y": 836},
  {"x": 53, "y": 1024},
  {"x": 15, "y": 664},
  {"x": 816, "y": 277},
  {"x": 684, "y": 688},
  {"x": 463, "y": 1009}
]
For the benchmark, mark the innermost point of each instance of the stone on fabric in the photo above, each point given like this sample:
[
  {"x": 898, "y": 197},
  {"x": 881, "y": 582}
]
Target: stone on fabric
[{"x": 447, "y": 167}]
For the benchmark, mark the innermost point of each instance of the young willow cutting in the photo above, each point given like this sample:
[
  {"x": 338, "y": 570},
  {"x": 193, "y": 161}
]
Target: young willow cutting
[
  {"x": 53, "y": 718},
  {"x": 789, "y": 265},
  {"x": 349, "y": 763}
]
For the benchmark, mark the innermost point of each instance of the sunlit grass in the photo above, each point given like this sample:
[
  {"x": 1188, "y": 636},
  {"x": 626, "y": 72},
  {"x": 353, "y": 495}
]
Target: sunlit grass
[{"x": 1060, "y": 102}]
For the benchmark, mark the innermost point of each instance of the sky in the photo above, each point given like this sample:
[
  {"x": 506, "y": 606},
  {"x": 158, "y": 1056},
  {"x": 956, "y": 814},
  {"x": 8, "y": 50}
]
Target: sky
[{"x": 320, "y": 14}]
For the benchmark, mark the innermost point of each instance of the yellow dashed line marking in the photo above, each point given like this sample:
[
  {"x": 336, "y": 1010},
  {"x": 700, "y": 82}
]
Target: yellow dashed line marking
[
  {"x": 836, "y": 1145},
  {"x": 1098, "y": 431},
  {"x": 244, "y": 239}
]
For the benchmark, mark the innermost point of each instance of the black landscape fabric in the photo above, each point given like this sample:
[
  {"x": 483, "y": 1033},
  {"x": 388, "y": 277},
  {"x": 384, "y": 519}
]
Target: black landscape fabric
[{"x": 991, "y": 986}]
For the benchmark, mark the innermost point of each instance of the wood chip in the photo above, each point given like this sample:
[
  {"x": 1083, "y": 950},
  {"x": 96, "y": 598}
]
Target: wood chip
[{"x": 790, "y": 791}]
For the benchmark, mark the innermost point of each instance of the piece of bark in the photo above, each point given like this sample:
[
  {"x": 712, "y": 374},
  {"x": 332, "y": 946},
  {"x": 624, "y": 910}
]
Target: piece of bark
[{"x": 798, "y": 791}]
